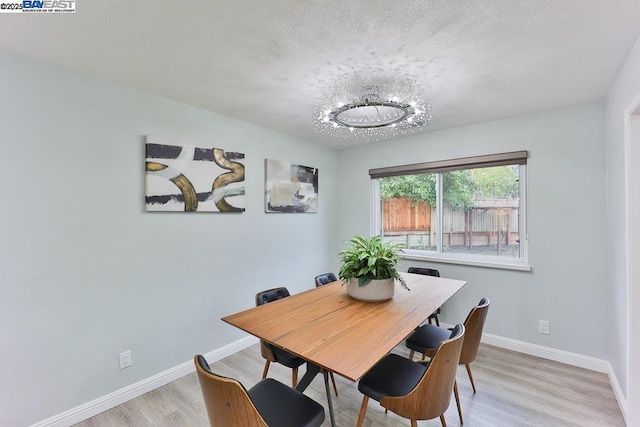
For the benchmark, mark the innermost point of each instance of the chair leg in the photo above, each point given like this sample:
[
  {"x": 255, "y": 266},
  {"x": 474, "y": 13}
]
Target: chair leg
[
  {"x": 333, "y": 380},
  {"x": 294, "y": 377},
  {"x": 414, "y": 423},
  {"x": 363, "y": 410},
  {"x": 468, "y": 366},
  {"x": 266, "y": 369},
  {"x": 411, "y": 355},
  {"x": 455, "y": 392},
  {"x": 443, "y": 421},
  {"x": 437, "y": 320},
  {"x": 430, "y": 320}
]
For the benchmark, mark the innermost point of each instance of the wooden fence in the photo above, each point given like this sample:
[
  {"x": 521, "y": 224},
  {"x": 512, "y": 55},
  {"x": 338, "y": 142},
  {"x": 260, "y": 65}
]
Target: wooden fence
[
  {"x": 405, "y": 214},
  {"x": 489, "y": 222}
]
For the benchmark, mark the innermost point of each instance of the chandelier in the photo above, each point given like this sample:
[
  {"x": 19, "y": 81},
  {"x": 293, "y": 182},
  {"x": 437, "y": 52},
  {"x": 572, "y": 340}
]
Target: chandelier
[{"x": 372, "y": 108}]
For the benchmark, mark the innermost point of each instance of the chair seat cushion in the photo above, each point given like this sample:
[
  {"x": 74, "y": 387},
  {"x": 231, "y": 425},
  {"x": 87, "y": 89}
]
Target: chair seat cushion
[
  {"x": 283, "y": 406},
  {"x": 394, "y": 375},
  {"x": 426, "y": 337},
  {"x": 285, "y": 358}
]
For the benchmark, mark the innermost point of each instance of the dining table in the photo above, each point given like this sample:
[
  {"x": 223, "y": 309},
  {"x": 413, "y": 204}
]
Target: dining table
[{"x": 336, "y": 333}]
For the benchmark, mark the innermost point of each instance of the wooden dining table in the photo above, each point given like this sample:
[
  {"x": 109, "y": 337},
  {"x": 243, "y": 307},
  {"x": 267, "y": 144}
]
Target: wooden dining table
[{"x": 336, "y": 333}]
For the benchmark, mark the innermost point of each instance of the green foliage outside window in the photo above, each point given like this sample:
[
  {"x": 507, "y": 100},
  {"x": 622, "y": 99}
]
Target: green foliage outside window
[
  {"x": 459, "y": 187},
  {"x": 420, "y": 188},
  {"x": 500, "y": 182}
]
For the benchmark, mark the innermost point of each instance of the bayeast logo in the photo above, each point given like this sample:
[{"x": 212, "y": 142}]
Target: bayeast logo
[{"x": 48, "y": 5}]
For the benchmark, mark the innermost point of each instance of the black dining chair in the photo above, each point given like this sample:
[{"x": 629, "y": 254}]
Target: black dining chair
[
  {"x": 324, "y": 279},
  {"x": 428, "y": 337},
  {"x": 268, "y": 403},
  {"x": 414, "y": 390},
  {"x": 270, "y": 352},
  {"x": 428, "y": 272}
]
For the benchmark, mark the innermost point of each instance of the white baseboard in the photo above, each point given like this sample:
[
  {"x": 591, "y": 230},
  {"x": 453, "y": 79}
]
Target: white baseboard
[
  {"x": 556, "y": 355},
  {"x": 617, "y": 390},
  {"x": 118, "y": 397}
]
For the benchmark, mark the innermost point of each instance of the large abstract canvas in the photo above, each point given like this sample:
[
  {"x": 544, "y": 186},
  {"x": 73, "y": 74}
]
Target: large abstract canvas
[
  {"x": 186, "y": 178},
  {"x": 290, "y": 188}
]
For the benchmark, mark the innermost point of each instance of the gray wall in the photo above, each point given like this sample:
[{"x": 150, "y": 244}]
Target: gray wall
[
  {"x": 566, "y": 196},
  {"x": 619, "y": 98},
  {"x": 85, "y": 273}
]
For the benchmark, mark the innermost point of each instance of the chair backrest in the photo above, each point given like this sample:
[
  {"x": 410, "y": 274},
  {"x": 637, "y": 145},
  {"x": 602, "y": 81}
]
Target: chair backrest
[
  {"x": 474, "y": 325},
  {"x": 424, "y": 271},
  {"x": 265, "y": 297},
  {"x": 227, "y": 401},
  {"x": 431, "y": 396},
  {"x": 325, "y": 278},
  {"x": 271, "y": 295}
]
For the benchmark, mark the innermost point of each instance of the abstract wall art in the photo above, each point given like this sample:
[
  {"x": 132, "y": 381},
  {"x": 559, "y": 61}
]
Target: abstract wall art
[
  {"x": 185, "y": 178},
  {"x": 290, "y": 188}
]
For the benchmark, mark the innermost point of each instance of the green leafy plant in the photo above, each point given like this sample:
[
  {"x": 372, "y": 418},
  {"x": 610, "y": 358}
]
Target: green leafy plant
[{"x": 370, "y": 259}]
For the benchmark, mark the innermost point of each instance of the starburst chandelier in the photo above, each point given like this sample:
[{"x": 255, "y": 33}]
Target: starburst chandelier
[{"x": 372, "y": 108}]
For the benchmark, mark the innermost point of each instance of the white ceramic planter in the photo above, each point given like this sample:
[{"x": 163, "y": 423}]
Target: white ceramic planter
[{"x": 377, "y": 290}]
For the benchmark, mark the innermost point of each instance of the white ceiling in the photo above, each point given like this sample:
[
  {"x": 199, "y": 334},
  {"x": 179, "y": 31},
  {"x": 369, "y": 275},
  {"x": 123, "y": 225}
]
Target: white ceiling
[{"x": 267, "y": 62}]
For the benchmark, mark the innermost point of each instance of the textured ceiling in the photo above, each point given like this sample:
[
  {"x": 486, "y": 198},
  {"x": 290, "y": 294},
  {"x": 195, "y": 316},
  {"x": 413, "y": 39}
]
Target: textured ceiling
[{"x": 267, "y": 62}]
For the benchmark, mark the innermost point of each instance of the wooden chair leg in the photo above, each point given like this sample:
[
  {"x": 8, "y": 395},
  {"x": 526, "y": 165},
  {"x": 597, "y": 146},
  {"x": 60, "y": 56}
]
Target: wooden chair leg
[
  {"x": 266, "y": 369},
  {"x": 455, "y": 392},
  {"x": 294, "y": 377},
  {"x": 333, "y": 380},
  {"x": 437, "y": 320},
  {"x": 468, "y": 366},
  {"x": 414, "y": 423},
  {"x": 411, "y": 355},
  {"x": 443, "y": 421},
  {"x": 430, "y": 320},
  {"x": 363, "y": 410}
]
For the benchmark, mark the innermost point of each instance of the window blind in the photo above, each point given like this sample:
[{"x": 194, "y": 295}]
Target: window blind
[{"x": 512, "y": 158}]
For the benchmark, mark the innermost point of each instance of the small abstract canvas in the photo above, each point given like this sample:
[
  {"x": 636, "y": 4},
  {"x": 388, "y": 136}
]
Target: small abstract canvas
[
  {"x": 183, "y": 177},
  {"x": 290, "y": 188}
]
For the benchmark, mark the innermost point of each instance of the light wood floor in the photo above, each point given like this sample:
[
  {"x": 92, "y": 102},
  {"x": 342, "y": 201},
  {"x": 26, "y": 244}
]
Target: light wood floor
[{"x": 513, "y": 390}]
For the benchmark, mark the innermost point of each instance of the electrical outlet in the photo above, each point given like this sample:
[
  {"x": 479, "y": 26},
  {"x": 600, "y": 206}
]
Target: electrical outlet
[
  {"x": 543, "y": 327},
  {"x": 125, "y": 359}
]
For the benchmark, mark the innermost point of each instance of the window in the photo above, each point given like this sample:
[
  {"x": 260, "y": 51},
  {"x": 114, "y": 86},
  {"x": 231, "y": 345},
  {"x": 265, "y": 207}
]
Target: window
[{"x": 469, "y": 211}]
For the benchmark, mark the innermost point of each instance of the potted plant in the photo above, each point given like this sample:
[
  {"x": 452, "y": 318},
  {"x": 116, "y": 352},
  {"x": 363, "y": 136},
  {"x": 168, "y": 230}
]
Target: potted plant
[{"x": 368, "y": 268}]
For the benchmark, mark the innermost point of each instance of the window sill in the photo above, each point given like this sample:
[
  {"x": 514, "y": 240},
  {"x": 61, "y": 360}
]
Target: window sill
[{"x": 504, "y": 265}]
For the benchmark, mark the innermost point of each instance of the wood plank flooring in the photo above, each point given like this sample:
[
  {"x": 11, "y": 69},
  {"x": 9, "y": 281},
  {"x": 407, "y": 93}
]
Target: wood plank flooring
[{"x": 513, "y": 390}]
